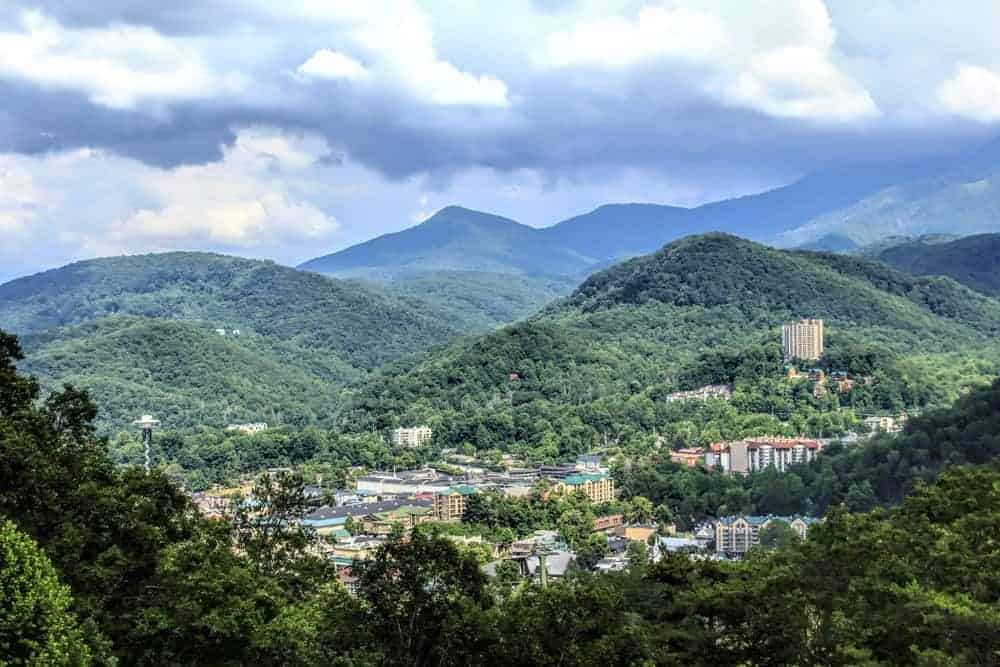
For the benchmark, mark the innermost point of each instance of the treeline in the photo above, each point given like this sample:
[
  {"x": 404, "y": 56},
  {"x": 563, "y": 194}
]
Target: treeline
[{"x": 107, "y": 566}]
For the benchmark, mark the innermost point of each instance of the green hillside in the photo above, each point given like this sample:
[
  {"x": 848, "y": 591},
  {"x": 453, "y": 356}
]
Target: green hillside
[
  {"x": 594, "y": 369},
  {"x": 478, "y": 301},
  {"x": 86, "y": 322},
  {"x": 973, "y": 261},
  {"x": 182, "y": 373}
]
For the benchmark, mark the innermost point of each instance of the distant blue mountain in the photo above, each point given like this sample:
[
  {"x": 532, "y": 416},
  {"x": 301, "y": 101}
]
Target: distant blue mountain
[{"x": 457, "y": 238}]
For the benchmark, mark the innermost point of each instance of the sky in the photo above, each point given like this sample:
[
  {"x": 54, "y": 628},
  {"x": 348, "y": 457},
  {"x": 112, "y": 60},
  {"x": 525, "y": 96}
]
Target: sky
[{"x": 291, "y": 129}]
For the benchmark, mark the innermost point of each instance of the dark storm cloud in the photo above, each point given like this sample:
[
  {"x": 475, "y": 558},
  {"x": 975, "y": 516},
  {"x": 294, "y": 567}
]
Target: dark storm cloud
[{"x": 651, "y": 119}]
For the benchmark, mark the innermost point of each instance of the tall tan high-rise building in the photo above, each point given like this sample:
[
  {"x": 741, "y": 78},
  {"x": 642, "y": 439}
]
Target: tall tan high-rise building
[{"x": 802, "y": 339}]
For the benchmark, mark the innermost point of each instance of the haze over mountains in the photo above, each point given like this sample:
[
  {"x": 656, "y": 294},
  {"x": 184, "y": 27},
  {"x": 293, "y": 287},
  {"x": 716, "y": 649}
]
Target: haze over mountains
[{"x": 836, "y": 209}]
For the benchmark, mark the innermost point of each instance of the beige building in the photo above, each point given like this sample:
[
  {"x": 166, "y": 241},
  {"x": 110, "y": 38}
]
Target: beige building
[
  {"x": 449, "y": 505},
  {"x": 599, "y": 488},
  {"x": 802, "y": 339},
  {"x": 411, "y": 437}
]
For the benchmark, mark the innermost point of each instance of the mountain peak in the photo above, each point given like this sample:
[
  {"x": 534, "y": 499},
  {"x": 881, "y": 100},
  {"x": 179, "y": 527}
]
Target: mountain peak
[{"x": 459, "y": 214}]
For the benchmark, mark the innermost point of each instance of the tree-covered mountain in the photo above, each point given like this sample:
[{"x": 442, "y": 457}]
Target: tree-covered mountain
[
  {"x": 594, "y": 369},
  {"x": 479, "y": 301},
  {"x": 202, "y": 338},
  {"x": 456, "y": 238},
  {"x": 453, "y": 239},
  {"x": 973, "y": 261}
]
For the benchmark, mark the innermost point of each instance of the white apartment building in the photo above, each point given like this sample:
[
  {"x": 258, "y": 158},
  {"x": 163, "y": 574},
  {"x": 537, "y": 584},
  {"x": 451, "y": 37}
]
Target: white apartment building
[
  {"x": 755, "y": 454},
  {"x": 735, "y": 535},
  {"x": 802, "y": 339},
  {"x": 415, "y": 436}
]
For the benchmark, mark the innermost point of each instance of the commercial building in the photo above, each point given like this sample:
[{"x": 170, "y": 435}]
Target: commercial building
[
  {"x": 802, "y": 339},
  {"x": 598, "y": 487},
  {"x": 449, "y": 504},
  {"x": 404, "y": 483},
  {"x": 416, "y": 436},
  {"x": 735, "y": 535},
  {"x": 755, "y": 454}
]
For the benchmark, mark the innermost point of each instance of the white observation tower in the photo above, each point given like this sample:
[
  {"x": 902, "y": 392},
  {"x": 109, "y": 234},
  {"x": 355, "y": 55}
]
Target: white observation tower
[{"x": 146, "y": 424}]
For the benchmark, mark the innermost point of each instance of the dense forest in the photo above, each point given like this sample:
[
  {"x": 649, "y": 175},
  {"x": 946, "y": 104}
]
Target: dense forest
[
  {"x": 479, "y": 301},
  {"x": 973, "y": 261},
  {"x": 105, "y": 565},
  {"x": 141, "y": 333}
]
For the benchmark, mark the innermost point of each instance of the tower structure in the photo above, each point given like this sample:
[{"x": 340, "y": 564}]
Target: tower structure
[{"x": 146, "y": 423}]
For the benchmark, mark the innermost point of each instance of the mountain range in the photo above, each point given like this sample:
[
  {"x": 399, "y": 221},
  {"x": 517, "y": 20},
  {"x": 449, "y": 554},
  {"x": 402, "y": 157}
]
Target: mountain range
[{"x": 835, "y": 209}]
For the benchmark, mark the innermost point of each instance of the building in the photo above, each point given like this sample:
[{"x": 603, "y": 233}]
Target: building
[
  {"x": 406, "y": 517},
  {"x": 639, "y": 533},
  {"x": 589, "y": 462},
  {"x": 449, "y": 504},
  {"x": 886, "y": 424},
  {"x": 735, "y": 535},
  {"x": 802, "y": 339},
  {"x": 333, "y": 520},
  {"x": 755, "y": 454},
  {"x": 249, "y": 429},
  {"x": 405, "y": 483},
  {"x": 689, "y": 456},
  {"x": 416, "y": 436},
  {"x": 608, "y": 522},
  {"x": 598, "y": 487},
  {"x": 719, "y": 391}
]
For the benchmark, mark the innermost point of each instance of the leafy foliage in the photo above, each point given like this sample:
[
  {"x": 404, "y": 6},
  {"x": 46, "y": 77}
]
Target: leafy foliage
[
  {"x": 36, "y": 624},
  {"x": 141, "y": 331}
]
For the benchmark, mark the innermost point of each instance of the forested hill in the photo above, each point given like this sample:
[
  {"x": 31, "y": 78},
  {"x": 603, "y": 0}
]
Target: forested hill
[
  {"x": 593, "y": 370},
  {"x": 106, "y": 323},
  {"x": 973, "y": 261},
  {"x": 716, "y": 270}
]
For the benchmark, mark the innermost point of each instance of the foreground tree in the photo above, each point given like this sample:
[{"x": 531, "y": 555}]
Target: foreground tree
[{"x": 36, "y": 624}]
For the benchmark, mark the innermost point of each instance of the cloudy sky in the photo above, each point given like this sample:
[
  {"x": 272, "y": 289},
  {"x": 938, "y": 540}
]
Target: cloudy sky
[{"x": 294, "y": 128}]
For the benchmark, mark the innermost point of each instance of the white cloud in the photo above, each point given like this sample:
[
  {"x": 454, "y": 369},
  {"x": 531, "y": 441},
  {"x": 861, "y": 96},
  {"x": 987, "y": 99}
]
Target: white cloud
[
  {"x": 973, "y": 92},
  {"x": 327, "y": 64},
  {"x": 116, "y": 67},
  {"x": 255, "y": 198},
  {"x": 398, "y": 37},
  {"x": 799, "y": 82},
  {"x": 656, "y": 32},
  {"x": 775, "y": 58}
]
